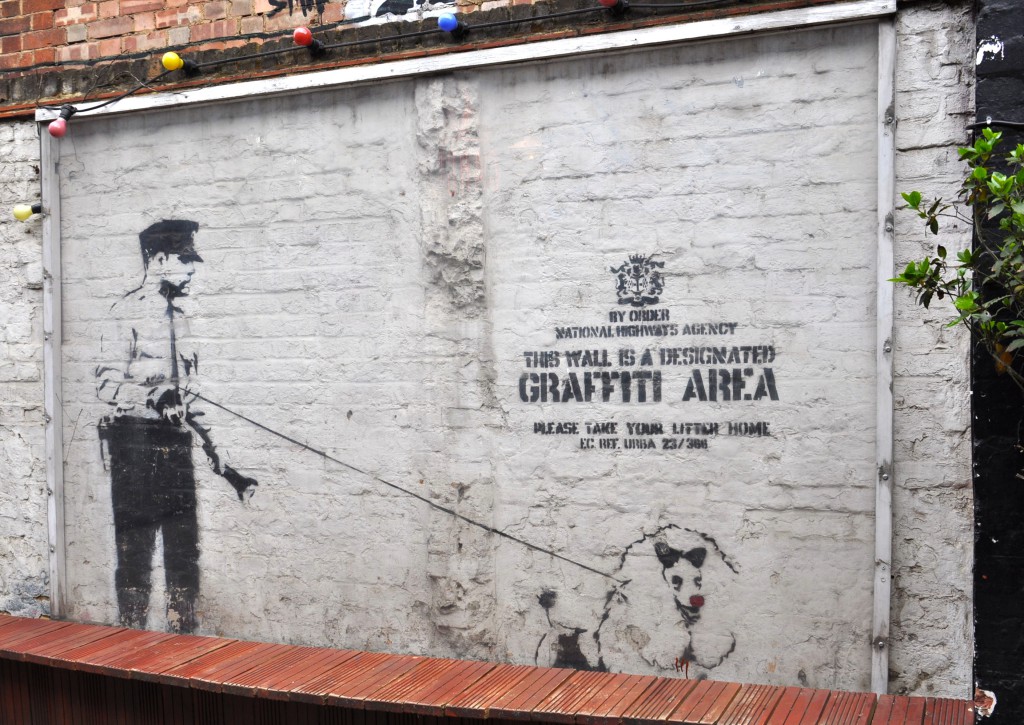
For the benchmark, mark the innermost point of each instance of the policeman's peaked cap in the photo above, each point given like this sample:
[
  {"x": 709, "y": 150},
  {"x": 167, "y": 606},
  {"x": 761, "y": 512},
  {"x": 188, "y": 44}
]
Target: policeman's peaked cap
[{"x": 172, "y": 237}]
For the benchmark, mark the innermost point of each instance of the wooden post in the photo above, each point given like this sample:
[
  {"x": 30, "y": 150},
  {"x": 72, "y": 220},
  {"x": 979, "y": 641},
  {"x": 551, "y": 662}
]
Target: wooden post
[
  {"x": 883, "y": 355},
  {"x": 53, "y": 409}
]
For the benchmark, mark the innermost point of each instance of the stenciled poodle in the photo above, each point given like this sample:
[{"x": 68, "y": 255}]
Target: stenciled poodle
[{"x": 660, "y": 617}]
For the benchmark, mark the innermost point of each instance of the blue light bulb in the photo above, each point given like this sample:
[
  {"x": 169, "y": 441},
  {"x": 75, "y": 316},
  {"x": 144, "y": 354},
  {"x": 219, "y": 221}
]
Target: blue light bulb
[{"x": 448, "y": 23}]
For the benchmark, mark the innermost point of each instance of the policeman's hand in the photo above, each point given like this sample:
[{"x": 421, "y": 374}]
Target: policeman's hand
[
  {"x": 244, "y": 486},
  {"x": 170, "y": 406},
  {"x": 175, "y": 414}
]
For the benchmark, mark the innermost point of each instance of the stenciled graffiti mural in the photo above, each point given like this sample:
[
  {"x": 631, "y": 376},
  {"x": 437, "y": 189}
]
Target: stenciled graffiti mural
[
  {"x": 148, "y": 436},
  {"x": 501, "y": 416},
  {"x": 655, "y": 619}
]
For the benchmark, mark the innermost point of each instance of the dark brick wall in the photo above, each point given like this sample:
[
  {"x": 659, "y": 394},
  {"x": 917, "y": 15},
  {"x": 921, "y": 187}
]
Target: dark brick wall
[{"x": 999, "y": 423}]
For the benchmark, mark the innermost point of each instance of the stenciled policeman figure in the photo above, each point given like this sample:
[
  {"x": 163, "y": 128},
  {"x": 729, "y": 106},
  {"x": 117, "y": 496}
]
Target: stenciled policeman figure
[{"x": 148, "y": 379}]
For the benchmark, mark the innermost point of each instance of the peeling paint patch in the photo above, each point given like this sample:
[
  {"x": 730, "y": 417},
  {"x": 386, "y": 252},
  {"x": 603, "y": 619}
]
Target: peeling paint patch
[
  {"x": 28, "y": 598},
  {"x": 984, "y": 702}
]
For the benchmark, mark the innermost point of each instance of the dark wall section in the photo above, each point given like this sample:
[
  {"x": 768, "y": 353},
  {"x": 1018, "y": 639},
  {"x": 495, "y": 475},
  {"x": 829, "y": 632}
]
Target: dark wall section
[{"x": 999, "y": 415}]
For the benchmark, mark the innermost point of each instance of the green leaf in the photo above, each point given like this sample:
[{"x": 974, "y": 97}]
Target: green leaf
[
  {"x": 996, "y": 210},
  {"x": 965, "y": 303},
  {"x": 941, "y": 251},
  {"x": 964, "y": 256},
  {"x": 933, "y": 224},
  {"x": 913, "y": 199},
  {"x": 1015, "y": 345}
]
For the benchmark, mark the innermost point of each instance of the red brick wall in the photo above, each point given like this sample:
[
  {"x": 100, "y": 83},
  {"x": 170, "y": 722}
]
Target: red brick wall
[
  {"x": 36, "y": 34},
  {"x": 41, "y": 32}
]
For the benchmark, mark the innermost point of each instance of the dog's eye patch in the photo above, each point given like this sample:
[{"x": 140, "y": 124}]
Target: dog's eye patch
[
  {"x": 669, "y": 557},
  {"x": 696, "y": 556}
]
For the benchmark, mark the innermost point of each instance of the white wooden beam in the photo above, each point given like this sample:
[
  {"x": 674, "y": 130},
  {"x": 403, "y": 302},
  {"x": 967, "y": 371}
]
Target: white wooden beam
[
  {"x": 543, "y": 50},
  {"x": 52, "y": 407},
  {"x": 884, "y": 474}
]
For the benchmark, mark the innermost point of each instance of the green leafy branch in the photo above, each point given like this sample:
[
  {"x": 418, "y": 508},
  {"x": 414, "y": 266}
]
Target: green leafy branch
[{"x": 985, "y": 285}]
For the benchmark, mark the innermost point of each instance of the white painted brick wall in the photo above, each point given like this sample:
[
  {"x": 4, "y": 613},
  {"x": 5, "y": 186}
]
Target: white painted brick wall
[
  {"x": 726, "y": 159},
  {"x": 24, "y": 588},
  {"x": 365, "y": 293},
  {"x": 932, "y": 629}
]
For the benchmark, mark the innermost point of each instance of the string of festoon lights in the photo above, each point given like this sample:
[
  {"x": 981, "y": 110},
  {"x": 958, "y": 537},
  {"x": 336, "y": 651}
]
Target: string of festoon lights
[{"x": 447, "y": 24}]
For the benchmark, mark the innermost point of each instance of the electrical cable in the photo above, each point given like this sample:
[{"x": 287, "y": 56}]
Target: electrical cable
[
  {"x": 538, "y": 18},
  {"x": 407, "y": 492},
  {"x": 249, "y": 56},
  {"x": 674, "y": 6},
  {"x": 115, "y": 99},
  {"x": 1017, "y": 125},
  {"x": 142, "y": 84},
  {"x": 366, "y": 41},
  {"x": 332, "y": 46}
]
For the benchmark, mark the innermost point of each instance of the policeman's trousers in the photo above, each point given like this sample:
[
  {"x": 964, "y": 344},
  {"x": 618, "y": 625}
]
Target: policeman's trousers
[{"x": 153, "y": 489}]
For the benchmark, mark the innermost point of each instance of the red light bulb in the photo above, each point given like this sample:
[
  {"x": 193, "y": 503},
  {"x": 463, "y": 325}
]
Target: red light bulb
[
  {"x": 303, "y": 36},
  {"x": 58, "y": 128}
]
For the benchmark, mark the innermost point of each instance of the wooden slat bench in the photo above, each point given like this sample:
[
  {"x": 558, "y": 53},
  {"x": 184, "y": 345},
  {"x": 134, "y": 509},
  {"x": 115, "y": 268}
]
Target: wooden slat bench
[{"x": 62, "y": 672}]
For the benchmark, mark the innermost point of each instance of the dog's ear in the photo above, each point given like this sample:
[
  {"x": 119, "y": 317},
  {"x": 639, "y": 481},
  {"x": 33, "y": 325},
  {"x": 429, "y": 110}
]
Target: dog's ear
[
  {"x": 668, "y": 556},
  {"x": 696, "y": 556}
]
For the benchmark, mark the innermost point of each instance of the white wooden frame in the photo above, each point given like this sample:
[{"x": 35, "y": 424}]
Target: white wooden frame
[
  {"x": 53, "y": 409},
  {"x": 566, "y": 47},
  {"x": 884, "y": 450}
]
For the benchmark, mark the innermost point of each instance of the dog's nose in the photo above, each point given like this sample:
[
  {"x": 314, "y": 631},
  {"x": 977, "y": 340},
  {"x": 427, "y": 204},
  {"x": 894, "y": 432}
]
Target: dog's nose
[{"x": 697, "y": 601}]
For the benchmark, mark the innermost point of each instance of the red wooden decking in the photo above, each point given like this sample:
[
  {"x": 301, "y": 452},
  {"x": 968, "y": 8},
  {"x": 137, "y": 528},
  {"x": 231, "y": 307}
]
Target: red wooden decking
[{"x": 62, "y": 672}]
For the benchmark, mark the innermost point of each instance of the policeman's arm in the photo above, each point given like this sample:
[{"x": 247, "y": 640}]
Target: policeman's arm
[
  {"x": 115, "y": 384},
  {"x": 244, "y": 486}
]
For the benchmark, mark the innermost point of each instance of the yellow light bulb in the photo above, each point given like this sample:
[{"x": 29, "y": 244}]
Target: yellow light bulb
[
  {"x": 22, "y": 212},
  {"x": 172, "y": 61}
]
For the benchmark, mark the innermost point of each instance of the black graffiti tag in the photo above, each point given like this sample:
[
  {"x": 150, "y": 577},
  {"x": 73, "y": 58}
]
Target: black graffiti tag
[{"x": 304, "y": 5}]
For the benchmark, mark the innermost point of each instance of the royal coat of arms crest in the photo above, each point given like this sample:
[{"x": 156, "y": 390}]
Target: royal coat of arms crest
[{"x": 638, "y": 281}]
